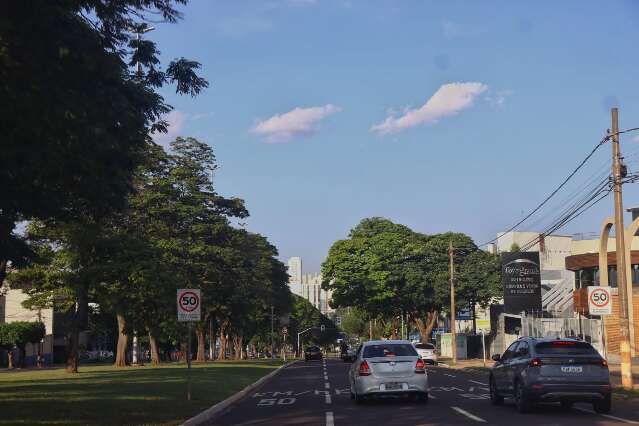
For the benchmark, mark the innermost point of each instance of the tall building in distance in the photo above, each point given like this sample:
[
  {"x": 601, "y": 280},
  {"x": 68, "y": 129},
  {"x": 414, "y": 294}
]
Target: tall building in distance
[{"x": 308, "y": 286}]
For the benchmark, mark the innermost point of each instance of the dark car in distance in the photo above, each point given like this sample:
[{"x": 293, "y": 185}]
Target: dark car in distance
[
  {"x": 560, "y": 370},
  {"x": 312, "y": 352}
]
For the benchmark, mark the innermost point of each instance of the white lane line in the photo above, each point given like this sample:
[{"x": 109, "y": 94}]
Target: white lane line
[
  {"x": 467, "y": 414},
  {"x": 471, "y": 389},
  {"x": 327, "y": 385},
  {"x": 478, "y": 383},
  {"x": 443, "y": 365},
  {"x": 449, "y": 375},
  {"x": 619, "y": 419},
  {"x": 325, "y": 377},
  {"x": 328, "y": 397},
  {"x": 431, "y": 396},
  {"x": 329, "y": 419}
]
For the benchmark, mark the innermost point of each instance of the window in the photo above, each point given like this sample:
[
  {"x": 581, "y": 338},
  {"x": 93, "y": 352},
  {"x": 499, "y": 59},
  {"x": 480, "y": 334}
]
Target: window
[
  {"x": 389, "y": 350},
  {"x": 523, "y": 351},
  {"x": 424, "y": 346},
  {"x": 509, "y": 352},
  {"x": 563, "y": 347}
]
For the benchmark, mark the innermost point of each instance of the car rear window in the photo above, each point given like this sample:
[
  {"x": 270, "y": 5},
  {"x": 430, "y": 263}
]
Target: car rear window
[
  {"x": 424, "y": 346},
  {"x": 562, "y": 347},
  {"x": 385, "y": 350}
]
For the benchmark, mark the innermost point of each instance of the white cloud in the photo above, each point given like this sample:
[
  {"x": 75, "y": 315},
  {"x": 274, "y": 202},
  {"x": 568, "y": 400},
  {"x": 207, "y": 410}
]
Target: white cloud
[
  {"x": 499, "y": 98},
  {"x": 296, "y": 123},
  {"x": 202, "y": 115},
  {"x": 176, "y": 120},
  {"x": 237, "y": 27},
  {"x": 448, "y": 100},
  {"x": 452, "y": 29}
]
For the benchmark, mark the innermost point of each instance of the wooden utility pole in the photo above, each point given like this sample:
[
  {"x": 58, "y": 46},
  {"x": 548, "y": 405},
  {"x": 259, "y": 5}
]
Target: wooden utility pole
[
  {"x": 624, "y": 323},
  {"x": 453, "y": 346}
]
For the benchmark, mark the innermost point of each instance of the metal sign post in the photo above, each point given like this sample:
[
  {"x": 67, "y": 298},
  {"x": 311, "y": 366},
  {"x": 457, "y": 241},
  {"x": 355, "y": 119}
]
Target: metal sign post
[
  {"x": 483, "y": 344},
  {"x": 188, "y": 310}
]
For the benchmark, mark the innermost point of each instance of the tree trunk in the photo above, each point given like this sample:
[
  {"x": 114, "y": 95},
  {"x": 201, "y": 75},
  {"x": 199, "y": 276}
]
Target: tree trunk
[
  {"x": 222, "y": 330},
  {"x": 472, "y": 312},
  {"x": 123, "y": 341},
  {"x": 153, "y": 345},
  {"x": 78, "y": 321},
  {"x": 10, "y": 358},
  {"x": 237, "y": 347},
  {"x": 184, "y": 346},
  {"x": 201, "y": 344},
  {"x": 394, "y": 324},
  {"x": 425, "y": 326}
]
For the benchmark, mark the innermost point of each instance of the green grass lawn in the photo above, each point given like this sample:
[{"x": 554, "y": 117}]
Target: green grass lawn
[{"x": 103, "y": 395}]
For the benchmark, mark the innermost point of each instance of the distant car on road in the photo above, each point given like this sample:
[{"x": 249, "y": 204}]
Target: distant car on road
[
  {"x": 348, "y": 355},
  {"x": 551, "y": 370},
  {"x": 312, "y": 352},
  {"x": 388, "y": 368},
  {"x": 427, "y": 351}
]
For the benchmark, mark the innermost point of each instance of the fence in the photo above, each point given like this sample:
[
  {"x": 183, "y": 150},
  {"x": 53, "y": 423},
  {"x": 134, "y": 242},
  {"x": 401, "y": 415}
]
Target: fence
[{"x": 589, "y": 330}]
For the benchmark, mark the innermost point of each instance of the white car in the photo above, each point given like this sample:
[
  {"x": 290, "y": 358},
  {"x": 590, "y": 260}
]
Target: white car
[{"x": 427, "y": 352}]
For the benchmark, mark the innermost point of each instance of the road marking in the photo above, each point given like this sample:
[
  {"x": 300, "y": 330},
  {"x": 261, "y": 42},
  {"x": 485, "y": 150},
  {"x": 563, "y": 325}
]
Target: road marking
[
  {"x": 467, "y": 414},
  {"x": 444, "y": 365},
  {"x": 328, "y": 398},
  {"x": 327, "y": 385},
  {"x": 325, "y": 377},
  {"x": 431, "y": 396},
  {"x": 479, "y": 383},
  {"x": 329, "y": 419},
  {"x": 471, "y": 389},
  {"x": 619, "y": 419},
  {"x": 449, "y": 375}
]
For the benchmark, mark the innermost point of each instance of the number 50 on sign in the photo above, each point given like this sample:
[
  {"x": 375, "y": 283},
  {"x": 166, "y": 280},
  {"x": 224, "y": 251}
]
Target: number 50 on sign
[
  {"x": 188, "y": 304},
  {"x": 599, "y": 300}
]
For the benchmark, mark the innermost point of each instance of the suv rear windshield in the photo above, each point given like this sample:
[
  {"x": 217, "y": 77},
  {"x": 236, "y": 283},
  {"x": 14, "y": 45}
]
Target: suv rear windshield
[
  {"x": 424, "y": 346},
  {"x": 396, "y": 349},
  {"x": 562, "y": 347}
]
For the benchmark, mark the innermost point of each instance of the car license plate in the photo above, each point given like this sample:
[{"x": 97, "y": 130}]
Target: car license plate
[
  {"x": 571, "y": 369},
  {"x": 392, "y": 386}
]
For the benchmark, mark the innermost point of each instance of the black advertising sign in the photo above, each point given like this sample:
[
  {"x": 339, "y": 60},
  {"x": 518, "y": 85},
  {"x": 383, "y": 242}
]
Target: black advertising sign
[{"x": 521, "y": 278}]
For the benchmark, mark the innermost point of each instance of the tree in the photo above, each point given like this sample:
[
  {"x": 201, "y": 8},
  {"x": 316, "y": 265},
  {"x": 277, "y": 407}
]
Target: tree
[
  {"x": 479, "y": 281},
  {"x": 76, "y": 116},
  {"x": 354, "y": 322},
  {"x": 18, "y": 334},
  {"x": 304, "y": 316}
]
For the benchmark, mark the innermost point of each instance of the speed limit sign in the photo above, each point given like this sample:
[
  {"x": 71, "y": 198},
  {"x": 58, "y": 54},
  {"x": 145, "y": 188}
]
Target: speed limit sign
[
  {"x": 599, "y": 300},
  {"x": 188, "y": 304}
]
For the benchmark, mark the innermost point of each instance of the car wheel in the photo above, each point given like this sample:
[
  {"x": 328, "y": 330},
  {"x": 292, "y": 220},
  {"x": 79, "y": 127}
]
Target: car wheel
[
  {"x": 566, "y": 405},
  {"x": 352, "y": 395},
  {"x": 604, "y": 406},
  {"x": 521, "y": 400},
  {"x": 359, "y": 399},
  {"x": 422, "y": 398},
  {"x": 495, "y": 398}
]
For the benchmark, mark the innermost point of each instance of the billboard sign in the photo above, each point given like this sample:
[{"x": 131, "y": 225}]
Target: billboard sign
[{"x": 521, "y": 279}]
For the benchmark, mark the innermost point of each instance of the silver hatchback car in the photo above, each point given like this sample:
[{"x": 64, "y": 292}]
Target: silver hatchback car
[{"x": 388, "y": 368}]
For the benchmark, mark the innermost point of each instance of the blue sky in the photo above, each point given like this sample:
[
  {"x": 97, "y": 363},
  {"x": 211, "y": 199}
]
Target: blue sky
[{"x": 519, "y": 93}]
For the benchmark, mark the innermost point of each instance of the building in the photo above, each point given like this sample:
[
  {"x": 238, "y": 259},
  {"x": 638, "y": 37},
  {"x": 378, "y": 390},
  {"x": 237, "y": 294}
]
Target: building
[
  {"x": 11, "y": 310},
  {"x": 308, "y": 286},
  {"x": 556, "y": 280}
]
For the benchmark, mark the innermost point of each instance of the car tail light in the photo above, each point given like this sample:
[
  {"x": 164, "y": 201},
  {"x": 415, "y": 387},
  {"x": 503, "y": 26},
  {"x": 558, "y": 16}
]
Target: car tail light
[
  {"x": 420, "y": 366},
  {"x": 364, "y": 369},
  {"x": 535, "y": 362},
  {"x": 537, "y": 386}
]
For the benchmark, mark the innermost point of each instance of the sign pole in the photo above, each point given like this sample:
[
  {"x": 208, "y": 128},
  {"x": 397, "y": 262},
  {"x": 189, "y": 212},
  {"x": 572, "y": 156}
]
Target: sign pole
[
  {"x": 188, "y": 362},
  {"x": 483, "y": 344},
  {"x": 453, "y": 311}
]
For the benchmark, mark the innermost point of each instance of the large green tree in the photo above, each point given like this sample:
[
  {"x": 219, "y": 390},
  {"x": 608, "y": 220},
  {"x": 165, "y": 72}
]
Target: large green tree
[{"x": 76, "y": 112}]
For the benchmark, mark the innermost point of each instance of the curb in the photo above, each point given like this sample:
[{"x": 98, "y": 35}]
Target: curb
[{"x": 211, "y": 413}]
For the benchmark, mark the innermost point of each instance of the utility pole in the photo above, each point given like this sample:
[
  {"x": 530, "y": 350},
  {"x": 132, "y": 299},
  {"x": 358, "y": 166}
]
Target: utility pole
[
  {"x": 453, "y": 346},
  {"x": 624, "y": 324},
  {"x": 272, "y": 332}
]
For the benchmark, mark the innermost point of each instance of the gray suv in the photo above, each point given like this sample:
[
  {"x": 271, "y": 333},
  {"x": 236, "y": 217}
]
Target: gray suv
[{"x": 550, "y": 370}]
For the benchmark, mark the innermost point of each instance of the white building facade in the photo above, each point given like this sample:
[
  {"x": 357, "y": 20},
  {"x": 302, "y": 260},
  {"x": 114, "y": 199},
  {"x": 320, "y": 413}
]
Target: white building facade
[{"x": 308, "y": 286}]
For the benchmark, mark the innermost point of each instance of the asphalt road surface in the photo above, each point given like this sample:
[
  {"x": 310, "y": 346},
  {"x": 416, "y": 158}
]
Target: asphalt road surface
[{"x": 317, "y": 393}]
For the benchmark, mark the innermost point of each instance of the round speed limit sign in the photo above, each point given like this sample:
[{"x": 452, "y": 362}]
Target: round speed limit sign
[
  {"x": 188, "y": 304},
  {"x": 599, "y": 300}
]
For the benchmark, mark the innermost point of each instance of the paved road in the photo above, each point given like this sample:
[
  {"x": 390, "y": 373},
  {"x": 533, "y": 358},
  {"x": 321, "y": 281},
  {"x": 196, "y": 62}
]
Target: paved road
[{"x": 317, "y": 393}]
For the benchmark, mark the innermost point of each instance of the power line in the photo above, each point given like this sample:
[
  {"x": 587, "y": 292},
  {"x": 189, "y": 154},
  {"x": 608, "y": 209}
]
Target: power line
[{"x": 601, "y": 142}]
